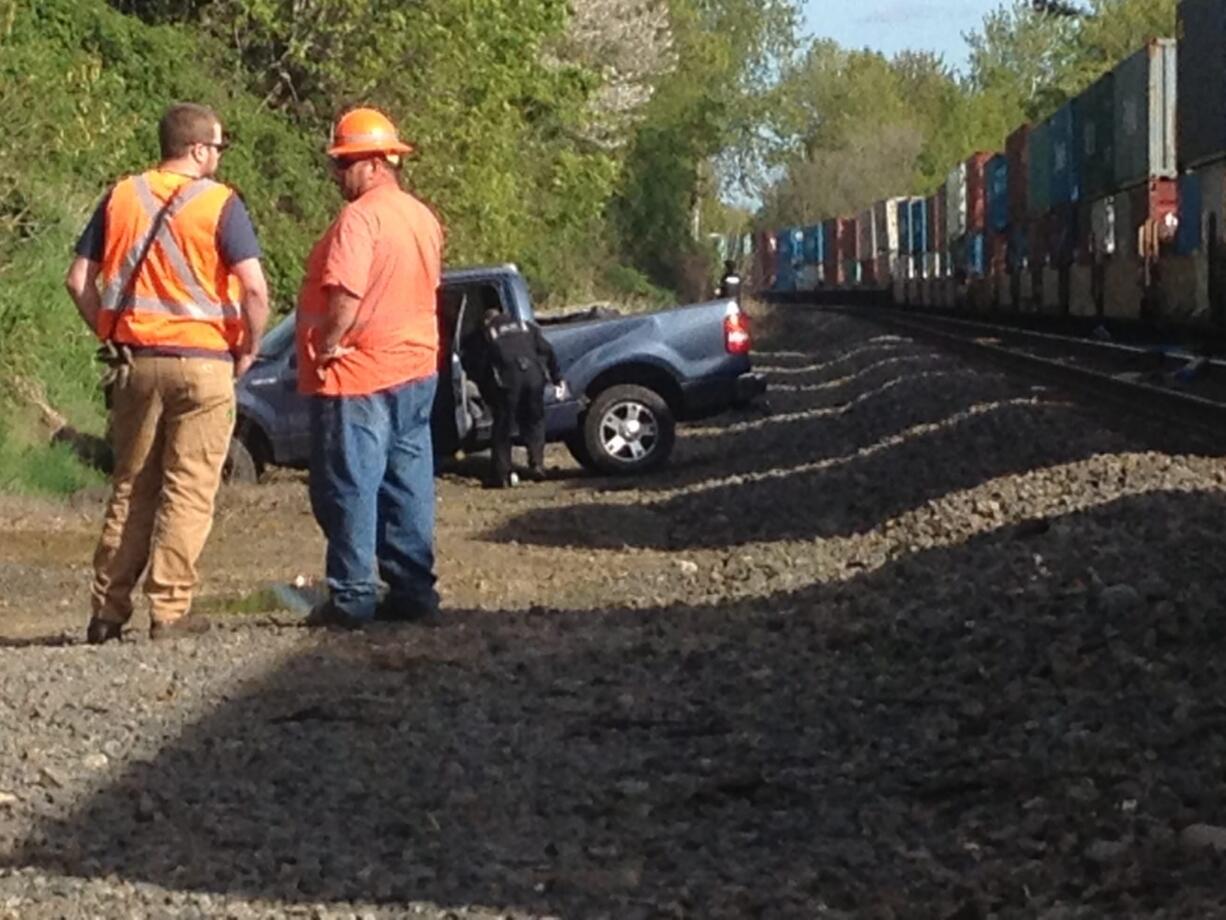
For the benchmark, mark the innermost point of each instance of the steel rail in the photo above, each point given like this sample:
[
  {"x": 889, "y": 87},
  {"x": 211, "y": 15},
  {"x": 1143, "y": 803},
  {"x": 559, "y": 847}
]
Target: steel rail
[{"x": 1192, "y": 422}]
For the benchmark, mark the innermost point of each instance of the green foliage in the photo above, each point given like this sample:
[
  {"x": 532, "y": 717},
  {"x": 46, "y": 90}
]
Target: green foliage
[
  {"x": 36, "y": 469},
  {"x": 713, "y": 105}
]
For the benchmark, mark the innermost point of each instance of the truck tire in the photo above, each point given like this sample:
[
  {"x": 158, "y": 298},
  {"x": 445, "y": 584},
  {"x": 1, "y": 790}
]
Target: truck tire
[
  {"x": 628, "y": 429},
  {"x": 240, "y": 467}
]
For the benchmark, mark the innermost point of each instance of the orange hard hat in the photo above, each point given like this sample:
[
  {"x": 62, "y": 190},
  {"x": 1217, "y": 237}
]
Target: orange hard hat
[{"x": 365, "y": 131}]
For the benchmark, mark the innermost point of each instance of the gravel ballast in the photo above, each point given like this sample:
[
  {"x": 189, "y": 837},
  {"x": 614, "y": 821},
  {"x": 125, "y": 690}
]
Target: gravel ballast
[{"x": 920, "y": 641}]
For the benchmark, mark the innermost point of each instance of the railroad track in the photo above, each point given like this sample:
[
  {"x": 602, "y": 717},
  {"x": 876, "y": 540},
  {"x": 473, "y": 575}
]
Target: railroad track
[{"x": 1170, "y": 396}]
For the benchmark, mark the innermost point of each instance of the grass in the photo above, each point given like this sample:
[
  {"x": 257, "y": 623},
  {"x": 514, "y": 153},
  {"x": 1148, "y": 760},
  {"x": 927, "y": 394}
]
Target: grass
[{"x": 263, "y": 600}]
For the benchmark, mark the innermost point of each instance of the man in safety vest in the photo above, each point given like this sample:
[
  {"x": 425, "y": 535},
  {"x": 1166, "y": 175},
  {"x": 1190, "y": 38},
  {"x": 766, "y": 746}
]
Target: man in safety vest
[
  {"x": 167, "y": 273},
  {"x": 367, "y": 339}
]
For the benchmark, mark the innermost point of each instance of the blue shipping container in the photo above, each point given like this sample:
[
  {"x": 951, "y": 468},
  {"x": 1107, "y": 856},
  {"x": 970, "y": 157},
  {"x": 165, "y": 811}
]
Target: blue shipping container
[
  {"x": 919, "y": 226},
  {"x": 976, "y": 255},
  {"x": 1065, "y": 164},
  {"x": 1188, "y": 235},
  {"x": 997, "y": 179},
  {"x": 904, "y": 225}
]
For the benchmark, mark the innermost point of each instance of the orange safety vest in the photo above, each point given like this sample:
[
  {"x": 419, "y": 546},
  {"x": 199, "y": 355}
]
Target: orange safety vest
[{"x": 184, "y": 299}]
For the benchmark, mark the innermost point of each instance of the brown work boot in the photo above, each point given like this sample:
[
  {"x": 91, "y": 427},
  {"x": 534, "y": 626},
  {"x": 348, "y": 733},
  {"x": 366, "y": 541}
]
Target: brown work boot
[
  {"x": 102, "y": 631},
  {"x": 190, "y": 624}
]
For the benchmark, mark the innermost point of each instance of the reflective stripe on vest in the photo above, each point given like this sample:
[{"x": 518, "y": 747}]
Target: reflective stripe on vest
[{"x": 202, "y": 307}]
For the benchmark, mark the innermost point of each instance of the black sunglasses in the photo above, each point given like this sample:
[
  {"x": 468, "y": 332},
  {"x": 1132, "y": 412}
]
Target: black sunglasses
[{"x": 221, "y": 146}]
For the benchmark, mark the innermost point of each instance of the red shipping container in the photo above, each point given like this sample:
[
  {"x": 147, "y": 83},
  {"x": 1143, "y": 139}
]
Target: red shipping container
[
  {"x": 764, "y": 246},
  {"x": 1016, "y": 150},
  {"x": 847, "y": 238},
  {"x": 835, "y": 231},
  {"x": 977, "y": 193}
]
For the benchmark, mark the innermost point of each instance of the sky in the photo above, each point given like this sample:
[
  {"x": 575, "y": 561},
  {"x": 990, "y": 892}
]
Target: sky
[{"x": 892, "y": 25}]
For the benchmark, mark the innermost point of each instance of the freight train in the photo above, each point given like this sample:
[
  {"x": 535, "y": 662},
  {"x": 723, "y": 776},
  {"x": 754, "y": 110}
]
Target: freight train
[{"x": 1113, "y": 207}]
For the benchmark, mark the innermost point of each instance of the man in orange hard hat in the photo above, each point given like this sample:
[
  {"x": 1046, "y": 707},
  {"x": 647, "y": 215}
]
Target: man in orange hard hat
[
  {"x": 167, "y": 273},
  {"x": 367, "y": 338}
]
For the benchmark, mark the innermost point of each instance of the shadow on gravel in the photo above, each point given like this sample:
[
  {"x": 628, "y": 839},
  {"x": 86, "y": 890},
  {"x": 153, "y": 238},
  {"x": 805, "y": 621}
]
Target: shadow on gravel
[
  {"x": 904, "y": 743},
  {"x": 819, "y": 495}
]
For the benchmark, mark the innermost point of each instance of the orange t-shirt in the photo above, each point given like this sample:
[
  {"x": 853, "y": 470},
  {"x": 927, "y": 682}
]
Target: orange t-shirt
[{"x": 385, "y": 248}]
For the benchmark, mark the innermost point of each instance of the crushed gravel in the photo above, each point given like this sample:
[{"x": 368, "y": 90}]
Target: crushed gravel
[{"x": 919, "y": 641}]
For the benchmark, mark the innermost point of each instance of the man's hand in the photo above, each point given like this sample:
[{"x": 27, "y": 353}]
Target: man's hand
[
  {"x": 243, "y": 363},
  {"x": 325, "y": 359}
]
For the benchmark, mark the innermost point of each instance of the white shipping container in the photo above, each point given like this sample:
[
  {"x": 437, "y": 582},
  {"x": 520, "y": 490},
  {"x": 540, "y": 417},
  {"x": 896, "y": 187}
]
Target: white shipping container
[
  {"x": 866, "y": 236},
  {"x": 887, "y": 225},
  {"x": 955, "y": 204}
]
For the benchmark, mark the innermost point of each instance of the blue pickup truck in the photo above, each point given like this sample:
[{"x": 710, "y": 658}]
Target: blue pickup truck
[{"x": 629, "y": 379}]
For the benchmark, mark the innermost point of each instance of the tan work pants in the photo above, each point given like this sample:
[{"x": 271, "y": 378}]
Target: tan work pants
[{"x": 170, "y": 426}]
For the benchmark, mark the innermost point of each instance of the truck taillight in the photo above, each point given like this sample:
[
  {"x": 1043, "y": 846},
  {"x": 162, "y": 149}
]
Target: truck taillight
[{"x": 736, "y": 333}]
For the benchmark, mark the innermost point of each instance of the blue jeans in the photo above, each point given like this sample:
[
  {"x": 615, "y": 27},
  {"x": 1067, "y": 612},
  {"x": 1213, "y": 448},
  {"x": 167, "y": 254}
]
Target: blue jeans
[{"x": 372, "y": 492}]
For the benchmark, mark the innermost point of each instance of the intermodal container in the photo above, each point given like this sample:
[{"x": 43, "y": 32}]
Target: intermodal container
[
  {"x": 813, "y": 245},
  {"x": 866, "y": 234},
  {"x": 833, "y": 231},
  {"x": 848, "y": 240},
  {"x": 868, "y": 271},
  {"x": 1156, "y": 200},
  {"x": 997, "y": 176},
  {"x": 1016, "y": 152},
  {"x": 937, "y": 240},
  {"x": 919, "y": 226},
  {"x": 785, "y": 278},
  {"x": 1125, "y": 231},
  {"x": 1017, "y": 256},
  {"x": 998, "y": 253},
  {"x": 1145, "y": 103},
  {"x": 1188, "y": 236},
  {"x": 1036, "y": 241},
  {"x": 1065, "y": 164},
  {"x": 1062, "y": 234},
  {"x": 977, "y": 192},
  {"x": 1102, "y": 226},
  {"x": 1201, "y": 106},
  {"x": 975, "y": 255},
  {"x": 903, "y": 209},
  {"x": 764, "y": 256},
  {"x": 955, "y": 203},
  {"x": 1038, "y": 159},
  {"x": 885, "y": 225},
  {"x": 1093, "y": 120}
]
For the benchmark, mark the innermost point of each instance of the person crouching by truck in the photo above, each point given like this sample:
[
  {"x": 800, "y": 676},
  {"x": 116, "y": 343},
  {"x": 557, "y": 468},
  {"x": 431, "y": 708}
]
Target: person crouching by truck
[
  {"x": 367, "y": 340},
  {"x": 518, "y": 360}
]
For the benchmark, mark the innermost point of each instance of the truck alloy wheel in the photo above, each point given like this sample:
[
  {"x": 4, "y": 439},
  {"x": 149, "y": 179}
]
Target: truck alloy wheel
[{"x": 628, "y": 429}]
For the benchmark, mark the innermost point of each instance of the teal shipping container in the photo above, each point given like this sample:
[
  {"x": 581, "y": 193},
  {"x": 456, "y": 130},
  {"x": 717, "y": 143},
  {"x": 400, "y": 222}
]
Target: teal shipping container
[
  {"x": 1038, "y": 161},
  {"x": 1095, "y": 127},
  {"x": 1145, "y": 106},
  {"x": 1065, "y": 163}
]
